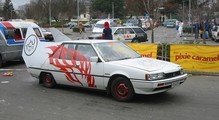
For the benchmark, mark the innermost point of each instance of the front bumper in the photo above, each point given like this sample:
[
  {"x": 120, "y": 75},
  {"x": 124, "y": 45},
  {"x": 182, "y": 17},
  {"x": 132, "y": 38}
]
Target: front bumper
[{"x": 153, "y": 87}]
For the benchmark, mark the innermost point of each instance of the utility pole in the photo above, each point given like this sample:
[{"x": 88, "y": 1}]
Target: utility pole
[
  {"x": 183, "y": 9},
  {"x": 189, "y": 12},
  {"x": 50, "y": 13},
  {"x": 78, "y": 10}
]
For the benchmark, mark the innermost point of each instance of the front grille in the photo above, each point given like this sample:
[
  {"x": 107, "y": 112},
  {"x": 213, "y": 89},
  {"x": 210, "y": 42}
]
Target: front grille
[{"x": 173, "y": 74}]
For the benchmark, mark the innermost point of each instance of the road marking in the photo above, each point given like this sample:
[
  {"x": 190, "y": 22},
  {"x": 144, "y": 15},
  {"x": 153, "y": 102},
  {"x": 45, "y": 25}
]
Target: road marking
[
  {"x": 12, "y": 70},
  {"x": 4, "y": 82}
]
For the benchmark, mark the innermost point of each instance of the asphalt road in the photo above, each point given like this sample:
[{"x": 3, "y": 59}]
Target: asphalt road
[{"x": 22, "y": 98}]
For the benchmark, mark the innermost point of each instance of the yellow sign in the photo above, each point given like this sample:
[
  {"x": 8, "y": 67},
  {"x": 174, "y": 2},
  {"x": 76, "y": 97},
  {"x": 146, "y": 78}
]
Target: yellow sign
[
  {"x": 196, "y": 57},
  {"x": 146, "y": 50}
]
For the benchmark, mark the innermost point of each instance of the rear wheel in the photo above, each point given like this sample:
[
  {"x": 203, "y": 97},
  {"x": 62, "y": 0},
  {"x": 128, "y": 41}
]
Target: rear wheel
[
  {"x": 122, "y": 90},
  {"x": 135, "y": 41},
  {"x": 48, "y": 80}
]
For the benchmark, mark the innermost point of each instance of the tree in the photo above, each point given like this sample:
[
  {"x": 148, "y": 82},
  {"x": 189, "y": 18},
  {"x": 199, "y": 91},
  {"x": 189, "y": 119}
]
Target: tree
[
  {"x": 60, "y": 9},
  {"x": 105, "y": 7},
  {"x": 8, "y": 10}
]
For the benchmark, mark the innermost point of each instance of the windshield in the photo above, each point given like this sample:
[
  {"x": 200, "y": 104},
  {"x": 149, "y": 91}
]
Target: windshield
[
  {"x": 99, "y": 25},
  {"x": 112, "y": 51},
  {"x": 113, "y": 29}
]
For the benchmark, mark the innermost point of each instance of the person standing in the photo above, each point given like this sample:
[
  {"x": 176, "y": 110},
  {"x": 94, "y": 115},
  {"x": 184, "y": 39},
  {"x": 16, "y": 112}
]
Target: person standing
[
  {"x": 180, "y": 29},
  {"x": 196, "y": 26},
  {"x": 107, "y": 32},
  {"x": 80, "y": 27}
]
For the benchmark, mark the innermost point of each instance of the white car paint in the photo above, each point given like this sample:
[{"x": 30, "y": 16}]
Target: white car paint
[{"x": 71, "y": 65}]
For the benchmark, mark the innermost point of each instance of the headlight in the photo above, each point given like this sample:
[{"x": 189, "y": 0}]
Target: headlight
[
  {"x": 156, "y": 76},
  {"x": 182, "y": 72}
]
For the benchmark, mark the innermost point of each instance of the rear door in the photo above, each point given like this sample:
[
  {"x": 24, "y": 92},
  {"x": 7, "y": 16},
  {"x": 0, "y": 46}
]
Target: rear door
[{"x": 129, "y": 34}]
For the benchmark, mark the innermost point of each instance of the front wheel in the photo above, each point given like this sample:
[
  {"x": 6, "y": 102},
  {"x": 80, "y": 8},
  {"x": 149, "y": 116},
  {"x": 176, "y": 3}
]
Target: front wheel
[
  {"x": 48, "y": 80},
  {"x": 122, "y": 90},
  {"x": 135, "y": 41}
]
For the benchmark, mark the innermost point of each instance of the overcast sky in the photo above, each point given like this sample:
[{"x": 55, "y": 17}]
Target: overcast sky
[{"x": 17, "y": 3}]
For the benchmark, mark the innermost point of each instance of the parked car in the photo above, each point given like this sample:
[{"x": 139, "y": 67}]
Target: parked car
[
  {"x": 108, "y": 65},
  {"x": 73, "y": 24},
  {"x": 87, "y": 24},
  {"x": 99, "y": 26},
  {"x": 47, "y": 34},
  {"x": 68, "y": 24},
  {"x": 133, "y": 22},
  {"x": 215, "y": 33},
  {"x": 128, "y": 24},
  {"x": 175, "y": 21},
  {"x": 170, "y": 24},
  {"x": 12, "y": 36},
  {"x": 130, "y": 33},
  {"x": 126, "y": 33}
]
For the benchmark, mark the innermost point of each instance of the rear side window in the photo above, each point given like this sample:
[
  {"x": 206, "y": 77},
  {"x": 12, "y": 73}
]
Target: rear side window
[
  {"x": 138, "y": 30},
  {"x": 70, "y": 51},
  {"x": 13, "y": 34},
  {"x": 9, "y": 33},
  {"x": 129, "y": 31}
]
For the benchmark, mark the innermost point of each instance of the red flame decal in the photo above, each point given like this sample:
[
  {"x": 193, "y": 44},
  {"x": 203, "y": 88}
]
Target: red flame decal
[{"x": 81, "y": 64}]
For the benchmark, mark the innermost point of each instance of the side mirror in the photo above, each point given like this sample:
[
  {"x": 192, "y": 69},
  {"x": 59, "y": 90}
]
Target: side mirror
[{"x": 94, "y": 59}]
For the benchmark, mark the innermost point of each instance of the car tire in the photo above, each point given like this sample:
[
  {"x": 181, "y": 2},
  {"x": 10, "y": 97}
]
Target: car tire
[
  {"x": 135, "y": 41},
  {"x": 48, "y": 80},
  {"x": 122, "y": 89},
  {"x": 212, "y": 38}
]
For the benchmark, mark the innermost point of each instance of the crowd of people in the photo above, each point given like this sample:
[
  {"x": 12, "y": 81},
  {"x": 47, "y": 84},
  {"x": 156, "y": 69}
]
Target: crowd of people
[{"x": 201, "y": 29}]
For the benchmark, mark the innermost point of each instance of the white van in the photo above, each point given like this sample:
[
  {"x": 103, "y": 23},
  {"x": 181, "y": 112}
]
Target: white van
[
  {"x": 99, "y": 26},
  {"x": 12, "y": 35}
]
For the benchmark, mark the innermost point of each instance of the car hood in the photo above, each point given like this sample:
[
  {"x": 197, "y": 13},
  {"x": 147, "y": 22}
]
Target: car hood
[
  {"x": 149, "y": 64},
  {"x": 97, "y": 30}
]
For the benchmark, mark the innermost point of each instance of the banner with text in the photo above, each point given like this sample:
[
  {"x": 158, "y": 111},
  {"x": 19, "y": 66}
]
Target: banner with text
[
  {"x": 146, "y": 50},
  {"x": 196, "y": 57}
]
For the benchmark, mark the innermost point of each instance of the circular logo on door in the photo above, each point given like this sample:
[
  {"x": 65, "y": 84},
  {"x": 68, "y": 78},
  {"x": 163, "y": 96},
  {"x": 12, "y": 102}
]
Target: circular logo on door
[{"x": 30, "y": 45}]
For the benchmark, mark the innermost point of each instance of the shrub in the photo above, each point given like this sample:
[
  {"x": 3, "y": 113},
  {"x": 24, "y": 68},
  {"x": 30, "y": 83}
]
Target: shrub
[
  {"x": 76, "y": 29},
  {"x": 188, "y": 29}
]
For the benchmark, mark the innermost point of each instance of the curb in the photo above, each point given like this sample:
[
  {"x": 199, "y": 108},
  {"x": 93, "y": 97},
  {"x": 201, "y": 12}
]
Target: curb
[{"x": 202, "y": 73}]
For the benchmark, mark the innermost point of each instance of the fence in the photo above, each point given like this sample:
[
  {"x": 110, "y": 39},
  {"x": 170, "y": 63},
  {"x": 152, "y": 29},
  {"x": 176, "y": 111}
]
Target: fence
[{"x": 197, "y": 58}]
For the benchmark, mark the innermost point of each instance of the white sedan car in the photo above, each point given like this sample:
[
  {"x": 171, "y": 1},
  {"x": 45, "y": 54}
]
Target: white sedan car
[{"x": 107, "y": 65}]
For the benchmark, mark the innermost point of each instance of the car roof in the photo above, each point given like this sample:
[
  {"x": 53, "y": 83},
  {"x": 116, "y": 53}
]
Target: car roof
[
  {"x": 9, "y": 24},
  {"x": 89, "y": 41}
]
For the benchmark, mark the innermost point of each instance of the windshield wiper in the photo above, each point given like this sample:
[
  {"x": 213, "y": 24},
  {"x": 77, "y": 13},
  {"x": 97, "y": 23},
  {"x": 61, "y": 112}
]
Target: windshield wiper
[{"x": 125, "y": 58}]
